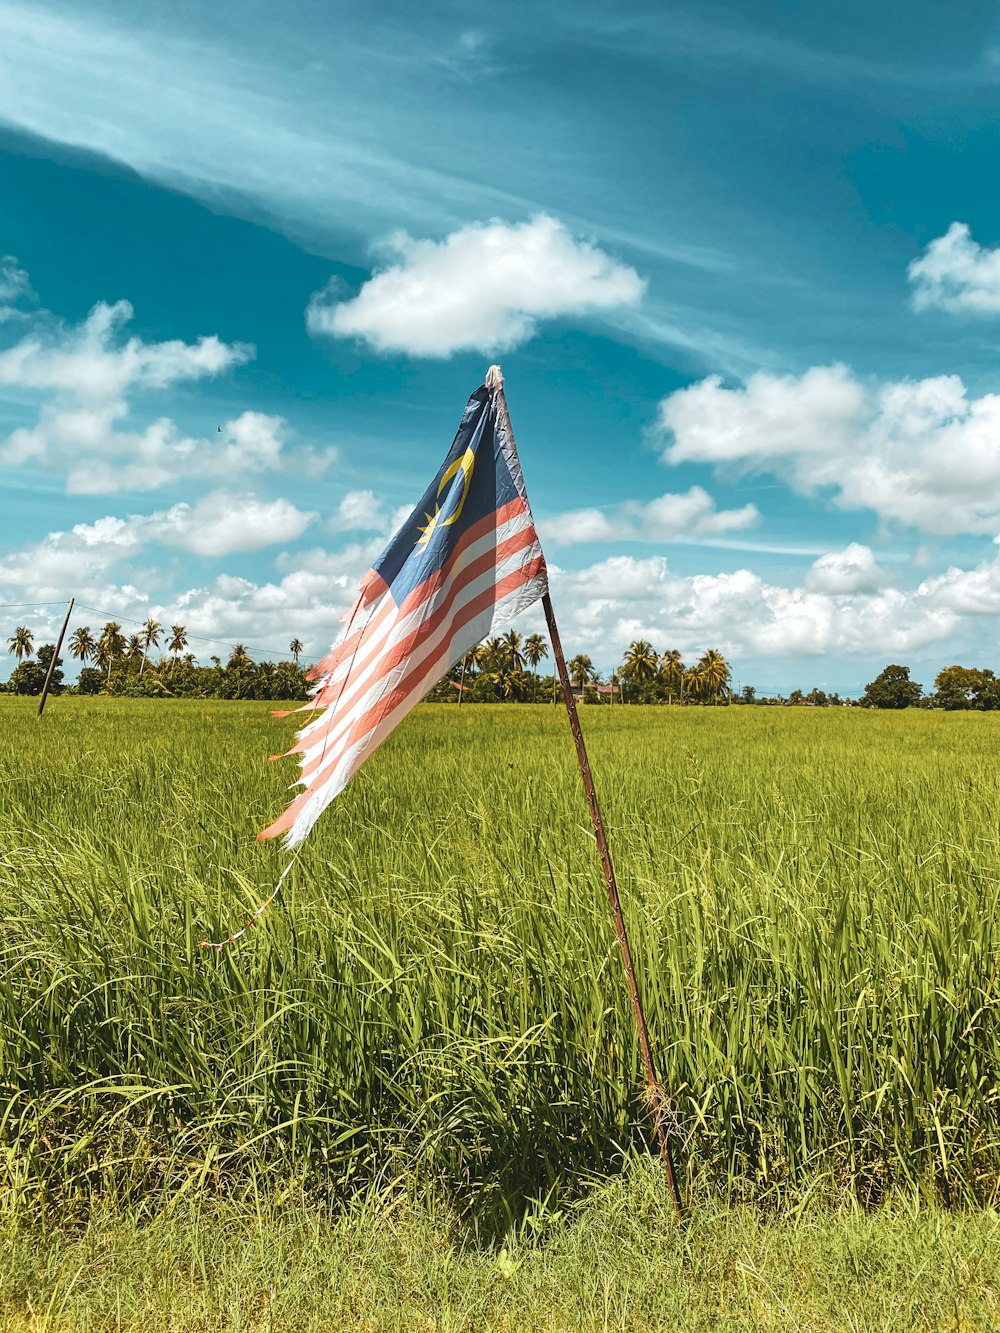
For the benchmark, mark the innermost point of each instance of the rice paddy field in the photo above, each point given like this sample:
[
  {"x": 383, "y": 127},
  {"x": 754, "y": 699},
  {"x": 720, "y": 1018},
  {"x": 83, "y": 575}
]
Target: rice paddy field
[{"x": 434, "y": 1011}]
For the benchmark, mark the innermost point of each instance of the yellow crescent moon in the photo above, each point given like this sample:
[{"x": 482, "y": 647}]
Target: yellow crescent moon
[{"x": 465, "y": 464}]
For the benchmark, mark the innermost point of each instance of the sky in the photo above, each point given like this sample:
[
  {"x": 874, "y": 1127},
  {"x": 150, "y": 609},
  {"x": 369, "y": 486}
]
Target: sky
[{"x": 740, "y": 264}]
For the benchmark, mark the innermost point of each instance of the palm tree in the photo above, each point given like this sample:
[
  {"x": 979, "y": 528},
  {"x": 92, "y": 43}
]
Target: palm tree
[
  {"x": 715, "y": 672},
  {"x": 82, "y": 644},
  {"x": 134, "y": 647},
  {"x": 150, "y": 636},
  {"x": 693, "y": 682},
  {"x": 110, "y": 645},
  {"x": 471, "y": 661},
  {"x": 239, "y": 658},
  {"x": 178, "y": 640},
  {"x": 535, "y": 648},
  {"x": 581, "y": 669},
  {"x": 511, "y": 646},
  {"x": 20, "y": 643},
  {"x": 491, "y": 654},
  {"x": 640, "y": 661},
  {"x": 672, "y": 669},
  {"x": 295, "y": 647}
]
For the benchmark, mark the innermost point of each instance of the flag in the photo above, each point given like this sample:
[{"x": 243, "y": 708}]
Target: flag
[{"x": 465, "y": 562}]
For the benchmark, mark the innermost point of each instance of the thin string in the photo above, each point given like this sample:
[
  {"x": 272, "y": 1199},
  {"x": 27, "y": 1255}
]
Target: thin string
[{"x": 219, "y": 945}]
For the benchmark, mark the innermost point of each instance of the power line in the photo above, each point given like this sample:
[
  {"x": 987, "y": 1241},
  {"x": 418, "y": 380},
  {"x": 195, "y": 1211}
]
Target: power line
[
  {"x": 196, "y": 638},
  {"x": 8, "y": 606}
]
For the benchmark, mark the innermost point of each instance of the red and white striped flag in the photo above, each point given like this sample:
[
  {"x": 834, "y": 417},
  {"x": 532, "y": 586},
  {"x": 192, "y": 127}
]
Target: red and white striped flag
[{"x": 464, "y": 563}]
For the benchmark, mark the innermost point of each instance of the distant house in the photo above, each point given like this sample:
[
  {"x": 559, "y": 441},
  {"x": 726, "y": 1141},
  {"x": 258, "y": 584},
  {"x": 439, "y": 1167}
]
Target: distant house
[{"x": 612, "y": 693}]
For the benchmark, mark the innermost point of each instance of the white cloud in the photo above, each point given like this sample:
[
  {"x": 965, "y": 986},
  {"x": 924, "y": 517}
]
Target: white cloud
[
  {"x": 79, "y": 561},
  {"x": 958, "y": 274},
  {"x": 607, "y": 605},
  {"x": 15, "y": 287},
  {"x": 482, "y": 288},
  {"x": 222, "y": 523},
  {"x": 919, "y": 452},
  {"x": 358, "y": 510},
  {"x": 691, "y": 514},
  {"x": 84, "y": 380},
  {"x": 842, "y": 572}
]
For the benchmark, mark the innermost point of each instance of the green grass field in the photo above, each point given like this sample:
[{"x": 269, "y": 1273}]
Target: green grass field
[{"x": 436, "y": 1005}]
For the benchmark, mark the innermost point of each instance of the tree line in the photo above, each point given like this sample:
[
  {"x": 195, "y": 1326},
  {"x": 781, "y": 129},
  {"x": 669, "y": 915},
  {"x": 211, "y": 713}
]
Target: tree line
[
  {"x": 506, "y": 668},
  {"x": 125, "y": 665},
  {"x": 502, "y": 668},
  {"x": 955, "y": 687}
]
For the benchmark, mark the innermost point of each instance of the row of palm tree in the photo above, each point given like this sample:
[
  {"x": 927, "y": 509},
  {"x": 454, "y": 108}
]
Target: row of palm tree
[
  {"x": 502, "y": 660},
  {"x": 112, "y": 645},
  {"x": 646, "y": 673}
]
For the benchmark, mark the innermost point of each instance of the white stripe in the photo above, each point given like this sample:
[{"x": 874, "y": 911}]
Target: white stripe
[
  {"x": 339, "y": 765},
  {"x": 369, "y": 676},
  {"x": 361, "y": 749},
  {"x": 376, "y": 641}
]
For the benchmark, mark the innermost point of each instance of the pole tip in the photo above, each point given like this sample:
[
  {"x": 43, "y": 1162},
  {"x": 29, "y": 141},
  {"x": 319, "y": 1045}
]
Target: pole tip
[{"x": 494, "y": 379}]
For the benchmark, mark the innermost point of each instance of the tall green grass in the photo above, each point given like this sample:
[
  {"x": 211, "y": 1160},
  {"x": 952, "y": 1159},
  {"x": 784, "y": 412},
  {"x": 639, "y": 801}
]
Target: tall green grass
[{"x": 812, "y": 897}]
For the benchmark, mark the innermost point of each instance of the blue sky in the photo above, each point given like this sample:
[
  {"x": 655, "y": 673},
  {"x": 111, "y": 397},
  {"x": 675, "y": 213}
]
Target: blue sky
[{"x": 740, "y": 267}]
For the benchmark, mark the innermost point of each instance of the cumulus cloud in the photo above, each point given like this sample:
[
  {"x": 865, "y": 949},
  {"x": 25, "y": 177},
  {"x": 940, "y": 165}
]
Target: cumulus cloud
[
  {"x": 222, "y": 523},
  {"x": 84, "y": 379},
  {"x": 81, "y": 559},
  {"x": 919, "y": 452},
  {"x": 841, "y": 572},
  {"x": 483, "y": 288},
  {"x": 357, "y": 511},
  {"x": 610, "y": 603},
  {"x": 957, "y": 274},
  {"x": 691, "y": 514}
]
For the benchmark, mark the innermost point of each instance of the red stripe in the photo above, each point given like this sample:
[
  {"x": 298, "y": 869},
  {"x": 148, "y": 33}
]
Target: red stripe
[
  {"x": 490, "y": 596},
  {"x": 406, "y": 646},
  {"x": 413, "y": 683},
  {"x": 414, "y": 598}
]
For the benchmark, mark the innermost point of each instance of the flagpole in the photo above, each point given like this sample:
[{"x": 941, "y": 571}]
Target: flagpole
[{"x": 652, "y": 1084}]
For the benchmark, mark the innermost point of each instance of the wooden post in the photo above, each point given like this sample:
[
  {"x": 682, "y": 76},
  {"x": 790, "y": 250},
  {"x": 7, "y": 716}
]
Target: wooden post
[
  {"x": 652, "y": 1085},
  {"x": 55, "y": 658}
]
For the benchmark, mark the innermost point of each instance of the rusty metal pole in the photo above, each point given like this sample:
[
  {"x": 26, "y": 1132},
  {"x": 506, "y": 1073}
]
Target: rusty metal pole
[
  {"x": 652, "y": 1085},
  {"x": 55, "y": 658}
]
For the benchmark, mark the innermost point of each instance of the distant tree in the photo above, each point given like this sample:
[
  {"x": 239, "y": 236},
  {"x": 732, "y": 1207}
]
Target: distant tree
[
  {"x": 748, "y": 694},
  {"x": 693, "y": 683},
  {"x": 535, "y": 648},
  {"x": 21, "y": 643},
  {"x": 178, "y": 640},
  {"x": 150, "y": 636},
  {"x": 641, "y": 662},
  {"x": 295, "y": 648},
  {"x": 512, "y": 649},
  {"x": 672, "y": 670},
  {"x": 965, "y": 687},
  {"x": 239, "y": 658},
  {"x": 581, "y": 670},
  {"x": 90, "y": 681},
  {"x": 715, "y": 673},
  {"x": 29, "y": 677},
  {"x": 110, "y": 646},
  {"x": 892, "y": 688},
  {"x": 82, "y": 644}
]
